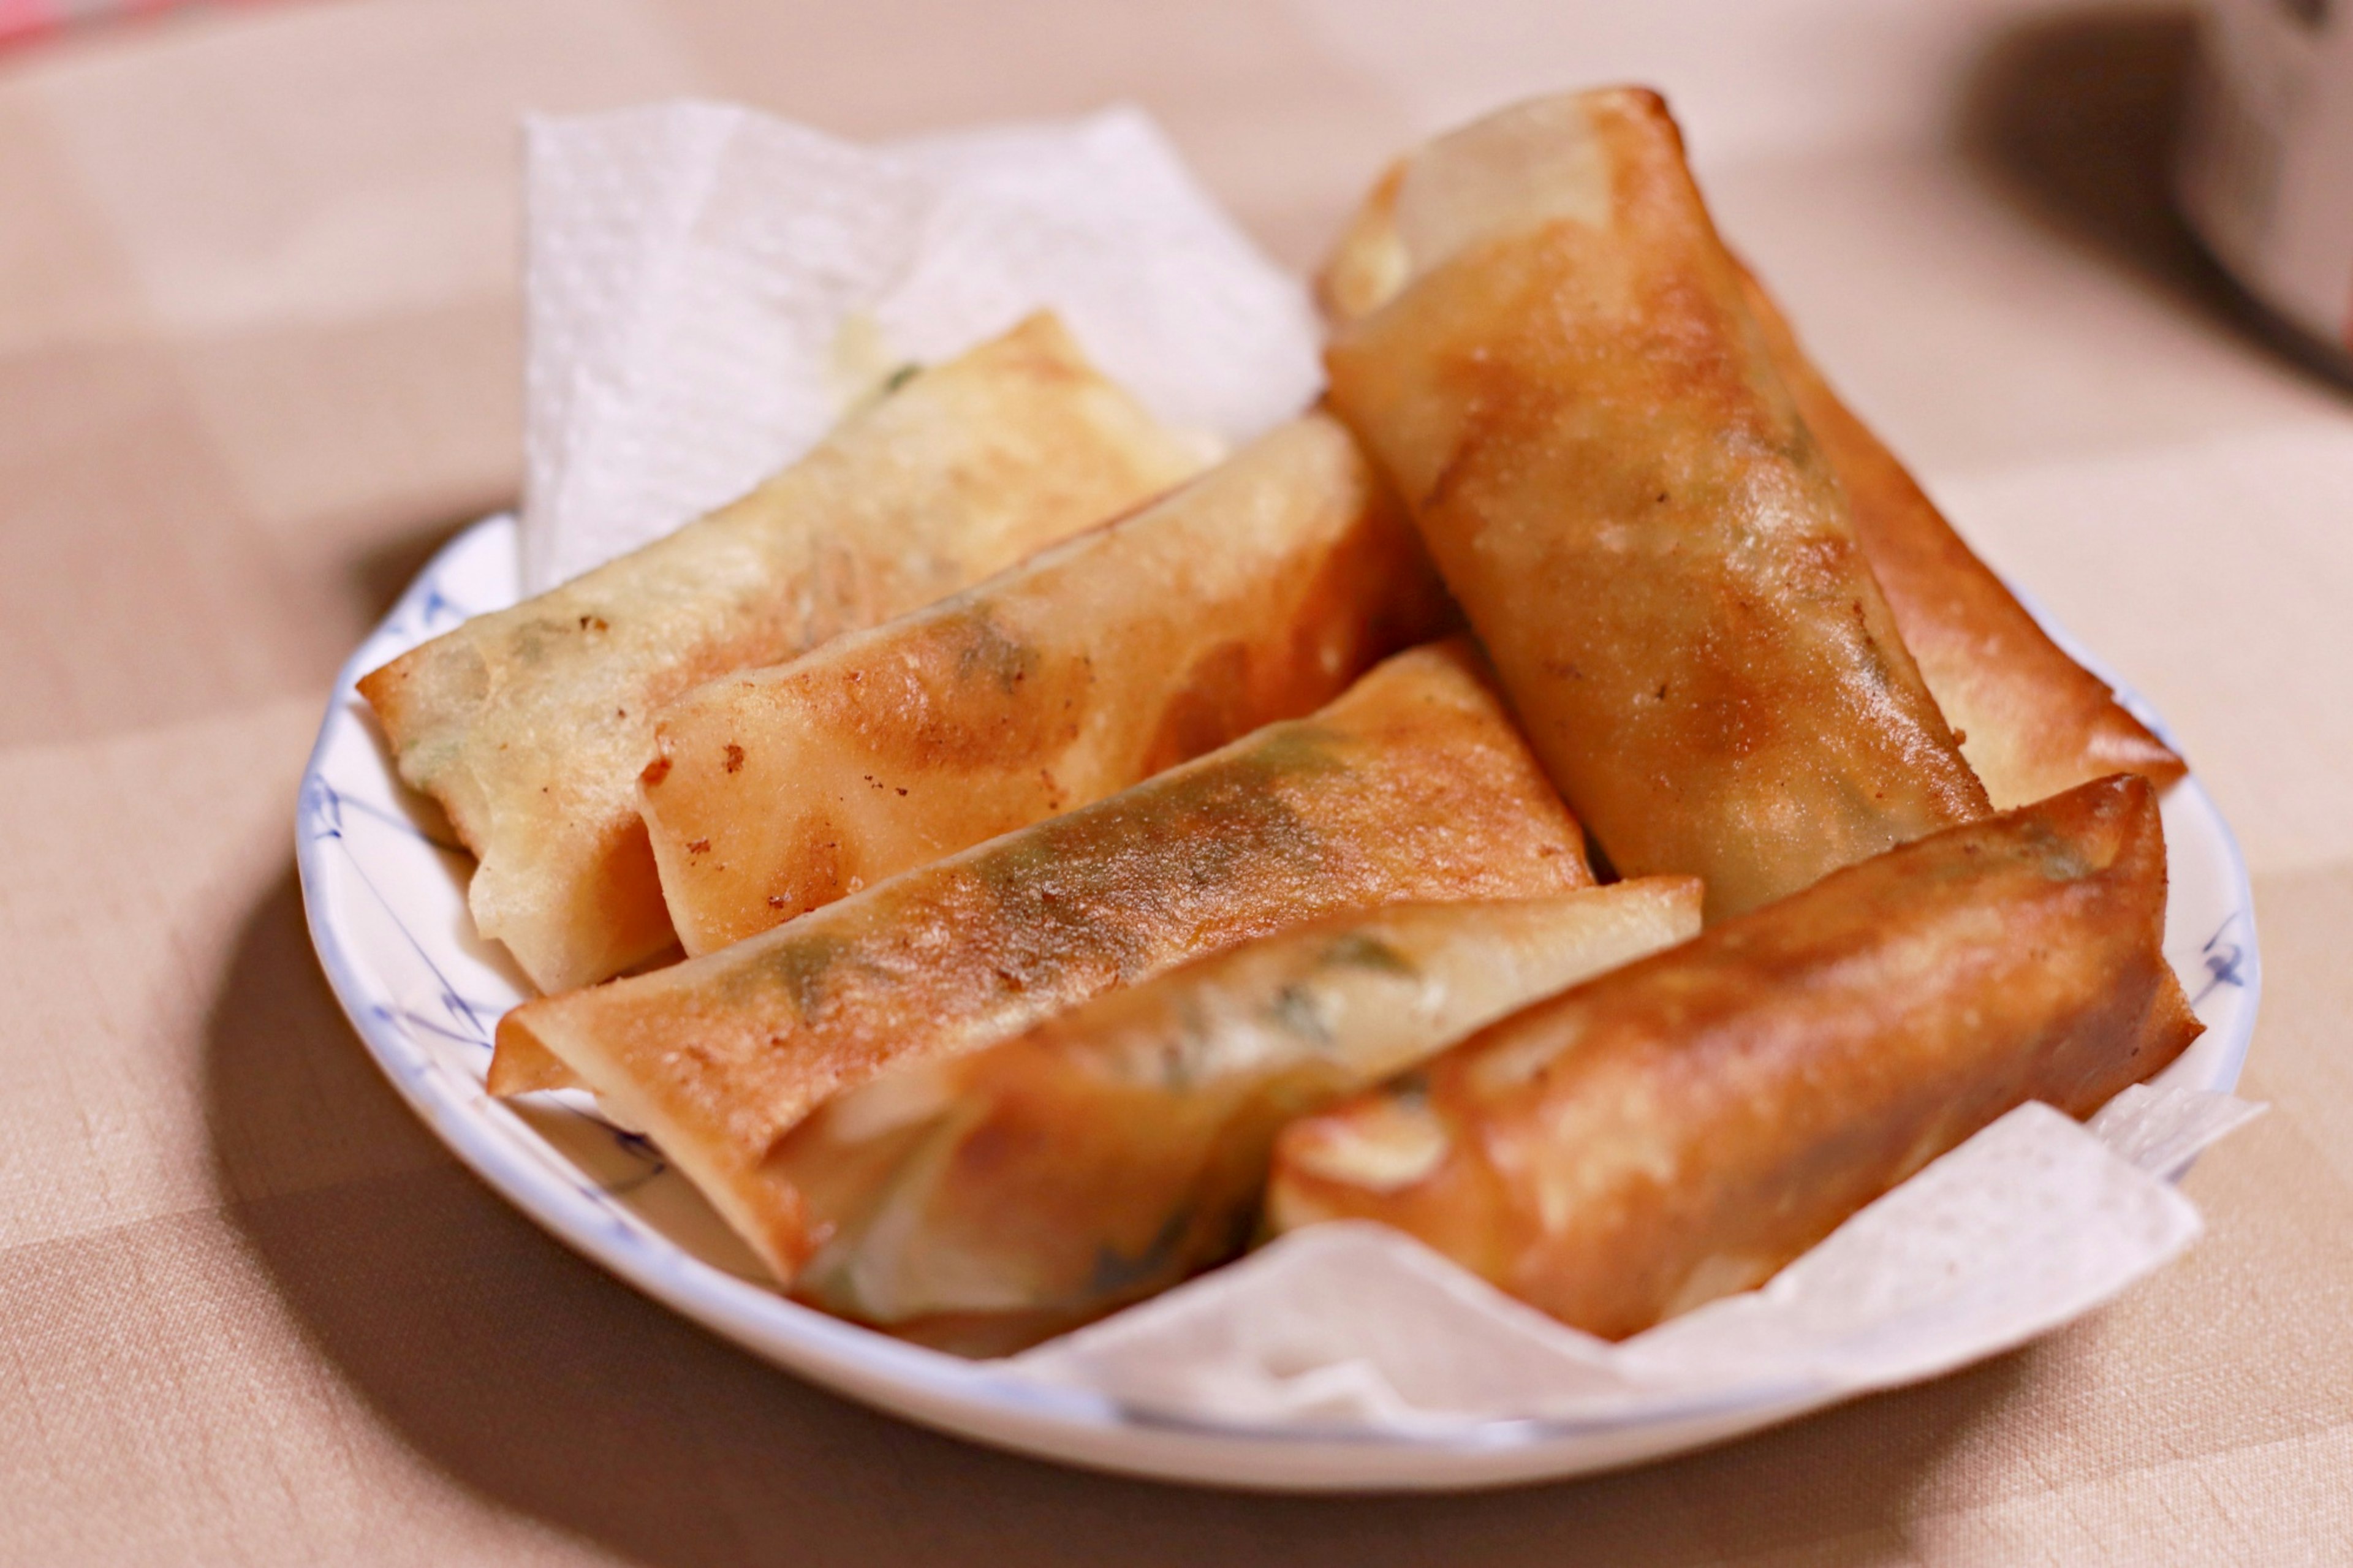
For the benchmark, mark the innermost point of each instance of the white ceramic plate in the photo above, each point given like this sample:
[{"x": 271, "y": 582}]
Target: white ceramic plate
[{"x": 383, "y": 887}]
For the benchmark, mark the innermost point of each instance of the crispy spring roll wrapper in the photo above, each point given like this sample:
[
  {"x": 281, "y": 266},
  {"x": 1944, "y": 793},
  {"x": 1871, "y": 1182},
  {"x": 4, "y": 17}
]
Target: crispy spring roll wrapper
[
  {"x": 1680, "y": 1129},
  {"x": 1116, "y": 1149},
  {"x": 1257, "y": 592},
  {"x": 1551, "y": 358},
  {"x": 2031, "y": 721},
  {"x": 1412, "y": 785},
  {"x": 529, "y": 725}
]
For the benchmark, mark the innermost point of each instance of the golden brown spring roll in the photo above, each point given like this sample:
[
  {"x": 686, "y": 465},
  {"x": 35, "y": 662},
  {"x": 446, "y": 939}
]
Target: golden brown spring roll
[
  {"x": 2031, "y": 721},
  {"x": 1412, "y": 785},
  {"x": 1680, "y": 1129},
  {"x": 531, "y": 725},
  {"x": 1552, "y": 360},
  {"x": 1116, "y": 1149},
  {"x": 1257, "y": 592}
]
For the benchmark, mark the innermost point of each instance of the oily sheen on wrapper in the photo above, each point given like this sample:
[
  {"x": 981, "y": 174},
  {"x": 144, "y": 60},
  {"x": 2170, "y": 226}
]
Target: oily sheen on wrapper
[
  {"x": 1679, "y": 1130},
  {"x": 1257, "y": 592},
  {"x": 1413, "y": 786},
  {"x": 1569, "y": 392},
  {"x": 993, "y": 1199},
  {"x": 529, "y": 725},
  {"x": 2030, "y": 721}
]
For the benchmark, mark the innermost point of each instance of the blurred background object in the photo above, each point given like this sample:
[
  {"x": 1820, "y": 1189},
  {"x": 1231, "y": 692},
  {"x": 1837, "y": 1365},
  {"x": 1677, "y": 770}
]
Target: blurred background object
[
  {"x": 22, "y": 20},
  {"x": 2265, "y": 170}
]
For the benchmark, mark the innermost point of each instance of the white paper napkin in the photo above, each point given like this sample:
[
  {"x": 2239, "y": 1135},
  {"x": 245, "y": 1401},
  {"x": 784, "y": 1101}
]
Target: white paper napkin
[
  {"x": 2031, "y": 1223},
  {"x": 708, "y": 288}
]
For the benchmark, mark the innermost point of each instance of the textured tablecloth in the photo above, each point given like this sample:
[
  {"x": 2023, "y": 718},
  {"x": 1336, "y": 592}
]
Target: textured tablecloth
[{"x": 259, "y": 353}]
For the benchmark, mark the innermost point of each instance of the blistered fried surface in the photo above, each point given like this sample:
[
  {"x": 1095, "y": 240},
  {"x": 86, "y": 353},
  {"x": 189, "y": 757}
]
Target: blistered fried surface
[
  {"x": 2031, "y": 722},
  {"x": 1559, "y": 373},
  {"x": 1680, "y": 1129},
  {"x": 531, "y": 725},
  {"x": 1411, "y": 785},
  {"x": 1255, "y": 593},
  {"x": 1114, "y": 1150}
]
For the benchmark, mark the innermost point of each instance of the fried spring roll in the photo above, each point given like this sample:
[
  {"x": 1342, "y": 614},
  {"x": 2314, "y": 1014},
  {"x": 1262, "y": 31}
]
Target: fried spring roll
[
  {"x": 2031, "y": 721},
  {"x": 1412, "y": 785},
  {"x": 1680, "y": 1129},
  {"x": 1551, "y": 358},
  {"x": 531, "y": 725},
  {"x": 1116, "y": 1149},
  {"x": 1257, "y": 592}
]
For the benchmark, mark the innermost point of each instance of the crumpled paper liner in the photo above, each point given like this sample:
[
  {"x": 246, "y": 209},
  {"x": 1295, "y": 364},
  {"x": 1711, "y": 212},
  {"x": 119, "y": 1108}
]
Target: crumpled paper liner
[
  {"x": 707, "y": 289},
  {"x": 1351, "y": 1325}
]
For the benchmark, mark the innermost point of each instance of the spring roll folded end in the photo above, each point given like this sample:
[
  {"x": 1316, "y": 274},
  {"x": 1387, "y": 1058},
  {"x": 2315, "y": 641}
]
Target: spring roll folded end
[
  {"x": 519, "y": 1064},
  {"x": 573, "y": 1042}
]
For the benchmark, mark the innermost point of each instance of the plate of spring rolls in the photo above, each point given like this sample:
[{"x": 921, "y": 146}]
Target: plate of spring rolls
[{"x": 1569, "y": 797}]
